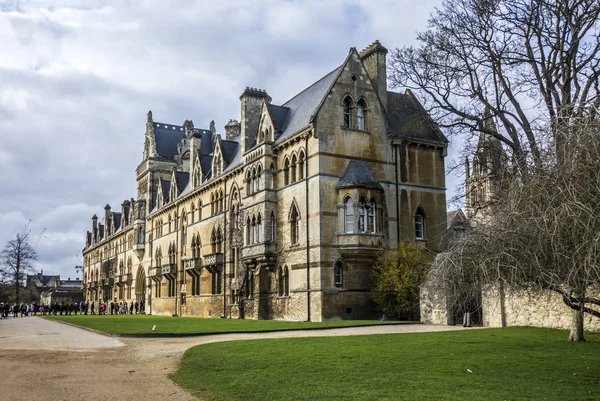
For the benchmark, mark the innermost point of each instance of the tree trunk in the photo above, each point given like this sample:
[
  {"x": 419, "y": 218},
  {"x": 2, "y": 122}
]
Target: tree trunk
[
  {"x": 467, "y": 319},
  {"x": 576, "y": 334}
]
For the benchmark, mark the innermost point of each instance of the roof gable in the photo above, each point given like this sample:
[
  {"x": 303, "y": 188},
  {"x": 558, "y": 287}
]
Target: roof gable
[{"x": 357, "y": 175}]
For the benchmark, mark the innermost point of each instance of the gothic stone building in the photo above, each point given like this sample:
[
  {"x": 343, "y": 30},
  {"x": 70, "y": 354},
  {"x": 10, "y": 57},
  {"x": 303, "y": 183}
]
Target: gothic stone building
[{"x": 282, "y": 216}]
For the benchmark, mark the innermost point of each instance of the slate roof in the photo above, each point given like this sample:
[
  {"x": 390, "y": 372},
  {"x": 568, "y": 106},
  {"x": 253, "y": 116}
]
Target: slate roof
[
  {"x": 206, "y": 164},
  {"x": 182, "y": 179},
  {"x": 44, "y": 279},
  {"x": 407, "y": 118},
  {"x": 89, "y": 237},
  {"x": 279, "y": 116},
  {"x": 117, "y": 220},
  {"x": 303, "y": 106},
  {"x": 168, "y": 136},
  {"x": 166, "y": 186},
  {"x": 228, "y": 148},
  {"x": 358, "y": 175}
]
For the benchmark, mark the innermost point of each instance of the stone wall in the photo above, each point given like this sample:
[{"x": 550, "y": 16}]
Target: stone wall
[{"x": 523, "y": 308}]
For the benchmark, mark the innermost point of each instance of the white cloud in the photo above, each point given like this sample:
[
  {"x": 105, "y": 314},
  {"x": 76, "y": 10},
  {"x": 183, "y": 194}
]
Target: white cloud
[{"x": 78, "y": 78}]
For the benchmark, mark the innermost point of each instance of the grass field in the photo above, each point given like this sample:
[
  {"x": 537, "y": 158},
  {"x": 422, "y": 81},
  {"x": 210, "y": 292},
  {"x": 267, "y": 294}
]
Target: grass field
[
  {"x": 142, "y": 324},
  {"x": 518, "y": 363}
]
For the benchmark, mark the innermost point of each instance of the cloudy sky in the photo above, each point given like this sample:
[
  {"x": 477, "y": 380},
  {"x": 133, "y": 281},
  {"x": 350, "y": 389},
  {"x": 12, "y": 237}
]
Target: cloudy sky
[{"x": 76, "y": 84}]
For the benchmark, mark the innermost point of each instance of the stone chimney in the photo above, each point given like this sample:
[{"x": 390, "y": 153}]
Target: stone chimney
[
  {"x": 94, "y": 229},
  {"x": 232, "y": 130},
  {"x": 124, "y": 213},
  {"x": 106, "y": 221},
  {"x": 374, "y": 60},
  {"x": 251, "y": 101}
]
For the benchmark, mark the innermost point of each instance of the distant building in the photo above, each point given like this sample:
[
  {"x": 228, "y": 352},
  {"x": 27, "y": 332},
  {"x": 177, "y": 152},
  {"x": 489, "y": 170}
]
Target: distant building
[{"x": 45, "y": 288}]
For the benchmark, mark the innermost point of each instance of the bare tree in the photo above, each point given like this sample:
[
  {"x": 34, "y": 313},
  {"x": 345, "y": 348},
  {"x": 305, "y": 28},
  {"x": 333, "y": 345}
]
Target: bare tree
[
  {"x": 16, "y": 260},
  {"x": 533, "y": 63},
  {"x": 544, "y": 235}
]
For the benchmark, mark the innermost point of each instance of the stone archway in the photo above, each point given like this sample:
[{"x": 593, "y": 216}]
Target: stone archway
[{"x": 140, "y": 285}]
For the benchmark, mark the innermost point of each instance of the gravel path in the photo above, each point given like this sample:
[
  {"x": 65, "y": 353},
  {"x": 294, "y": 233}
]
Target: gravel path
[{"x": 97, "y": 367}]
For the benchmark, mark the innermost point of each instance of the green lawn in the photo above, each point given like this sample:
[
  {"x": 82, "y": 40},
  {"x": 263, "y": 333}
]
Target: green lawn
[
  {"x": 142, "y": 324},
  {"x": 518, "y": 363}
]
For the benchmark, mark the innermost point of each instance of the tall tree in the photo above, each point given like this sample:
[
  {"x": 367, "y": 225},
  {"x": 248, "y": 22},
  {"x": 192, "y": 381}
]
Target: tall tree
[
  {"x": 16, "y": 260},
  {"x": 533, "y": 63},
  {"x": 543, "y": 236}
]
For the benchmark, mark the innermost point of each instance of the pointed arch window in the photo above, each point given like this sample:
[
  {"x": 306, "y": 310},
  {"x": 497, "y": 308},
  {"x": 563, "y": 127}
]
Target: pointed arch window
[
  {"x": 270, "y": 177},
  {"x": 420, "y": 224},
  {"x": 347, "y": 112},
  {"x": 199, "y": 210},
  {"x": 272, "y": 228},
  {"x": 294, "y": 226},
  {"x": 360, "y": 115},
  {"x": 349, "y": 215},
  {"x": 259, "y": 235},
  {"x": 293, "y": 169},
  {"x": 338, "y": 275},
  {"x": 284, "y": 281},
  {"x": 253, "y": 233},
  {"x": 192, "y": 213},
  {"x": 286, "y": 171},
  {"x": 248, "y": 231},
  {"x": 301, "y": 166}
]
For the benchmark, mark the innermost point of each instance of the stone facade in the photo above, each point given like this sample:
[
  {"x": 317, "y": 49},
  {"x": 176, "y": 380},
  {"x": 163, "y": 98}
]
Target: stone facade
[{"x": 283, "y": 217}]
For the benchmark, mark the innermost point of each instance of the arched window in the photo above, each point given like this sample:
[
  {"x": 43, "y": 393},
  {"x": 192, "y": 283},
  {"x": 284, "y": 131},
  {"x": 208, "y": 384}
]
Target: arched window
[
  {"x": 213, "y": 240},
  {"x": 221, "y": 201},
  {"x": 158, "y": 257},
  {"x": 270, "y": 177},
  {"x": 212, "y": 204},
  {"x": 258, "y": 174},
  {"x": 248, "y": 183},
  {"x": 199, "y": 210},
  {"x": 420, "y": 224},
  {"x": 254, "y": 188},
  {"x": 293, "y": 171},
  {"x": 360, "y": 115},
  {"x": 349, "y": 215},
  {"x": 284, "y": 282},
  {"x": 294, "y": 226},
  {"x": 286, "y": 171},
  {"x": 362, "y": 216},
  {"x": 219, "y": 241},
  {"x": 192, "y": 213},
  {"x": 140, "y": 235},
  {"x": 371, "y": 217},
  {"x": 253, "y": 233},
  {"x": 338, "y": 275},
  {"x": 248, "y": 231},
  {"x": 347, "y": 112},
  {"x": 259, "y": 234},
  {"x": 272, "y": 228},
  {"x": 301, "y": 166}
]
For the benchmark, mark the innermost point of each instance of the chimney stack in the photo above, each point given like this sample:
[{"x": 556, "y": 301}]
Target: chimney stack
[
  {"x": 374, "y": 60},
  {"x": 232, "y": 130},
  {"x": 251, "y": 101}
]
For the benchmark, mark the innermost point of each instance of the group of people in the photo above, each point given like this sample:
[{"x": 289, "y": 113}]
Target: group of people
[
  {"x": 67, "y": 308},
  {"x": 119, "y": 308}
]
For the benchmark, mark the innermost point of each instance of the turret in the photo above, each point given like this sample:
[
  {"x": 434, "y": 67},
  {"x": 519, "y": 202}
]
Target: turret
[
  {"x": 252, "y": 100},
  {"x": 232, "y": 130}
]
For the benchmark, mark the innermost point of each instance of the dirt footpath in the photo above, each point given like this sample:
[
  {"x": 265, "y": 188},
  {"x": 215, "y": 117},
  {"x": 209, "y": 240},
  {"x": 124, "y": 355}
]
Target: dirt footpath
[{"x": 46, "y": 360}]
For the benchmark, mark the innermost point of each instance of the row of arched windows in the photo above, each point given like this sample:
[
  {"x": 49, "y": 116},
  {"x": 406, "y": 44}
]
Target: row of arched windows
[
  {"x": 354, "y": 116},
  {"x": 293, "y": 168},
  {"x": 216, "y": 202},
  {"x": 196, "y": 246},
  {"x": 216, "y": 240},
  {"x": 253, "y": 177}
]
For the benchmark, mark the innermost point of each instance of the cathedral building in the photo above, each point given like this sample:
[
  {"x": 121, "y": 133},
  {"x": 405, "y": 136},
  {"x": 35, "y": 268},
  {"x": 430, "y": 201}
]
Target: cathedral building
[{"x": 280, "y": 215}]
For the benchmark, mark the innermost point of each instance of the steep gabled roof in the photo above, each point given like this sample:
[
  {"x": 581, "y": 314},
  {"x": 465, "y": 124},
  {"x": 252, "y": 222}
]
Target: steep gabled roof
[
  {"x": 304, "y": 105},
  {"x": 228, "y": 149},
  {"x": 117, "y": 220},
  {"x": 182, "y": 179},
  {"x": 279, "y": 116},
  {"x": 166, "y": 186},
  {"x": 407, "y": 118},
  {"x": 358, "y": 175}
]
